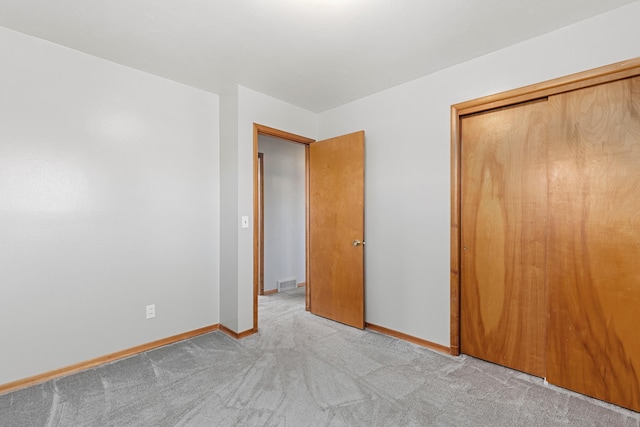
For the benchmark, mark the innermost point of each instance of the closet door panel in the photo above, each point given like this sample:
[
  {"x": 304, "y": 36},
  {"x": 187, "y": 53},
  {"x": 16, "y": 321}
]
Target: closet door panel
[
  {"x": 504, "y": 207},
  {"x": 593, "y": 267}
]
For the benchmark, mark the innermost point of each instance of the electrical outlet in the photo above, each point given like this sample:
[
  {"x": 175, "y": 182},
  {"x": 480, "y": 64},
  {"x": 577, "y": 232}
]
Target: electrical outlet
[{"x": 151, "y": 311}]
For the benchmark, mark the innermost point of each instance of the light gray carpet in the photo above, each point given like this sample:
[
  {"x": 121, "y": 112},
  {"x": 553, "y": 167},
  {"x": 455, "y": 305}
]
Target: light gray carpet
[{"x": 301, "y": 370}]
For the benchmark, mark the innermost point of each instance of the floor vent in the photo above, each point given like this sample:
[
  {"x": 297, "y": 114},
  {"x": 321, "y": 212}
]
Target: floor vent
[{"x": 287, "y": 284}]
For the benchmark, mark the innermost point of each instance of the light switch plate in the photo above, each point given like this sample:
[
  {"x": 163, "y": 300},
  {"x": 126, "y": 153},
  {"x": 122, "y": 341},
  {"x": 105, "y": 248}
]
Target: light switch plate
[{"x": 245, "y": 222}]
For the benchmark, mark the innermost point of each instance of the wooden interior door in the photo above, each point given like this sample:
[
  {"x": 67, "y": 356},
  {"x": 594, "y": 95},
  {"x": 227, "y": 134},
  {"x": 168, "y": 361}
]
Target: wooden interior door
[
  {"x": 594, "y": 242},
  {"x": 503, "y": 219},
  {"x": 336, "y": 229}
]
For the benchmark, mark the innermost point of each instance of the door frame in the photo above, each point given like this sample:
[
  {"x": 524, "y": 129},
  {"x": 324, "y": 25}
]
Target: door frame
[
  {"x": 257, "y": 265},
  {"x": 596, "y": 76},
  {"x": 260, "y": 222}
]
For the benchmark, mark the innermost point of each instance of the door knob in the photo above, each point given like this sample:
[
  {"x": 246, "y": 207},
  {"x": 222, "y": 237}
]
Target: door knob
[{"x": 356, "y": 242}]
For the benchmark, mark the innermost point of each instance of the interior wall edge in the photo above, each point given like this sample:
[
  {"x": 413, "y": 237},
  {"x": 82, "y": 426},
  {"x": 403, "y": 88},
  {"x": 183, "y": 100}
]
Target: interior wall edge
[{"x": 237, "y": 335}]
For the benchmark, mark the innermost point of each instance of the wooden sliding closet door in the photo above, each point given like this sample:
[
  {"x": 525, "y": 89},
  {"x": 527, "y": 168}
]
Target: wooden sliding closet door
[
  {"x": 593, "y": 267},
  {"x": 504, "y": 208}
]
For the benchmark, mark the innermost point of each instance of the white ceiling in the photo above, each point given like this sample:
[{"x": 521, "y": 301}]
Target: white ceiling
[{"x": 316, "y": 54}]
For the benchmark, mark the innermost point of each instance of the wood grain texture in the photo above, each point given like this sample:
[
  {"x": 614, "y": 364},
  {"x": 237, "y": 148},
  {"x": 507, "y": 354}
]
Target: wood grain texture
[
  {"x": 503, "y": 217},
  {"x": 589, "y": 78},
  {"x": 454, "y": 248},
  {"x": 308, "y": 290},
  {"x": 257, "y": 247},
  {"x": 594, "y": 242},
  {"x": 336, "y": 213},
  {"x": 592, "y": 203},
  {"x": 82, "y": 366},
  {"x": 292, "y": 137},
  {"x": 596, "y": 76},
  {"x": 260, "y": 240}
]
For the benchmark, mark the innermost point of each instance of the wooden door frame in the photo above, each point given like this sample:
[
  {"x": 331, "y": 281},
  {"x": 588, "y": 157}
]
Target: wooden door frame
[
  {"x": 608, "y": 73},
  {"x": 260, "y": 223},
  {"x": 266, "y": 130}
]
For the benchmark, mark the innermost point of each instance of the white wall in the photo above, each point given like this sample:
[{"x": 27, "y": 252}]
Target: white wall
[
  {"x": 407, "y": 178},
  {"x": 229, "y": 220},
  {"x": 284, "y": 210},
  {"x": 109, "y": 200}
]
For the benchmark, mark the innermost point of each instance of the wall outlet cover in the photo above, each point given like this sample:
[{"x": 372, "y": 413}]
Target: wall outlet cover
[{"x": 151, "y": 311}]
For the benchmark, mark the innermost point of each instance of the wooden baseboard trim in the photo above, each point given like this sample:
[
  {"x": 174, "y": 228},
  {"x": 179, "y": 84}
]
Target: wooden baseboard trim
[
  {"x": 302, "y": 285},
  {"x": 455, "y": 350},
  {"x": 237, "y": 335},
  {"x": 82, "y": 366},
  {"x": 424, "y": 343}
]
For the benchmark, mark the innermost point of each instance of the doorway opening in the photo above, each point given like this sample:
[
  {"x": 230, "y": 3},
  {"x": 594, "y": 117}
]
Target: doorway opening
[{"x": 276, "y": 136}]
